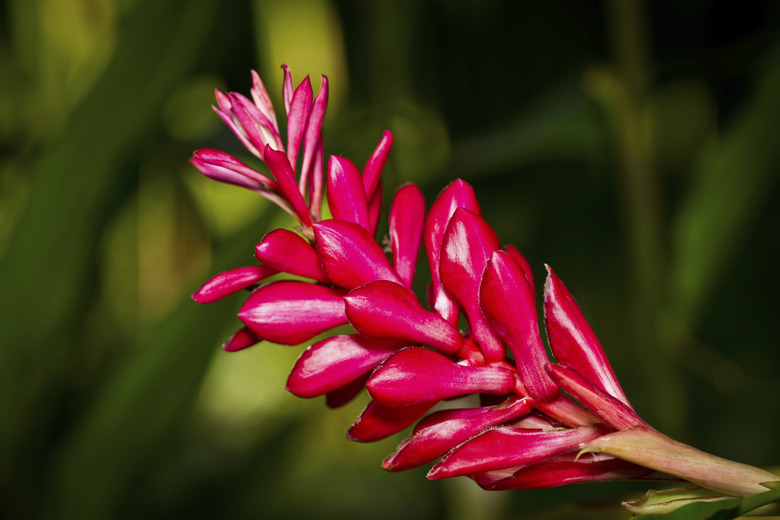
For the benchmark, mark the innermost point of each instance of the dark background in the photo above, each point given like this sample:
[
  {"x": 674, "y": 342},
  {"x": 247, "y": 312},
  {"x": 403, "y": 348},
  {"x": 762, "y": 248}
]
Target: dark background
[{"x": 633, "y": 146}]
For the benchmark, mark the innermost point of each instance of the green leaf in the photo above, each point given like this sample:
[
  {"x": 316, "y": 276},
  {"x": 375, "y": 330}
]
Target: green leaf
[
  {"x": 48, "y": 267},
  {"x": 733, "y": 180},
  {"x": 711, "y": 508},
  {"x": 561, "y": 129},
  {"x": 144, "y": 403},
  {"x": 665, "y": 501},
  {"x": 700, "y": 510}
]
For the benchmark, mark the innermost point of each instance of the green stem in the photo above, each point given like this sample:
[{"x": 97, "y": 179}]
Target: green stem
[{"x": 647, "y": 447}]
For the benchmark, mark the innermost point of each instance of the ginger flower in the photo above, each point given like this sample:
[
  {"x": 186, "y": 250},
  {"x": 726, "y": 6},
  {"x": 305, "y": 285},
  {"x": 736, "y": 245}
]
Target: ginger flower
[{"x": 411, "y": 355}]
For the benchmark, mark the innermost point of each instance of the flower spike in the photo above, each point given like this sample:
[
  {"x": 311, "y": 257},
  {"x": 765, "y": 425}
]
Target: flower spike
[
  {"x": 538, "y": 424},
  {"x": 253, "y": 124}
]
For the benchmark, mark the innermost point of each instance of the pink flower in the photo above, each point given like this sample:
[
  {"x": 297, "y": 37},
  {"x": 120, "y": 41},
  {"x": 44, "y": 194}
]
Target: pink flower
[{"x": 525, "y": 432}]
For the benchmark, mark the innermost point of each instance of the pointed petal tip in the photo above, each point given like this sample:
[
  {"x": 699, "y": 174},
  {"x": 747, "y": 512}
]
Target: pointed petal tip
[
  {"x": 231, "y": 281},
  {"x": 372, "y": 171},
  {"x": 389, "y": 464},
  {"x": 573, "y": 341},
  {"x": 242, "y": 339},
  {"x": 437, "y": 472},
  {"x": 612, "y": 410},
  {"x": 378, "y": 422}
]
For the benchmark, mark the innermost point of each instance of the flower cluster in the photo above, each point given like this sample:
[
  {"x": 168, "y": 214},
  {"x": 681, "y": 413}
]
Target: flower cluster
[{"x": 478, "y": 336}]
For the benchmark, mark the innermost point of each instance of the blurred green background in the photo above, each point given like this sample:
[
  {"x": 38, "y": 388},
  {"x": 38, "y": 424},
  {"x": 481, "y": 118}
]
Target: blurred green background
[{"x": 632, "y": 146}]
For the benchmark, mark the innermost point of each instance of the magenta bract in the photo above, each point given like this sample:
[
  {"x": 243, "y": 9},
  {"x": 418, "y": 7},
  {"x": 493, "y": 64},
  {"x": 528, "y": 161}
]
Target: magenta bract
[
  {"x": 524, "y": 265},
  {"x": 614, "y": 412},
  {"x": 376, "y": 164},
  {"x": 335, "y": 362},
  {"x": 247, "y": 122},
  {"x": 298, "y": 119},
  {"x": 344, "y": 394},
  {"x": 406, "y": 225},
  {"x": 346, "y": 198},
  {"x": 290, "y": 313},
  {"x": 440, "y": 431},
  {"x": 559, "y": 472},
  {"x": 226, "y": 168},
  {"x": 285, "y": 177},
  {"x": 228, "y": 282},
  {"x": 572, "y": 340},
  {"x": 385, "y": 309},
  {"x": 456, "y": 195},
  {"x": 262, "y": 101},
  {"x": 374, "y": 210},
  {"x": 468, "y": 243},
  {"x": 508, "y": 302},
  {"x": 378, "y": 421},
  {"x": 284, "y": 250},
  {"x": 243, "y": 338},
  {"x": 312, "y": 142},
  {"x": 417, "y": 375},
  {"x": 350, "y": 255},
  {"x": 506, "y": 447}
]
